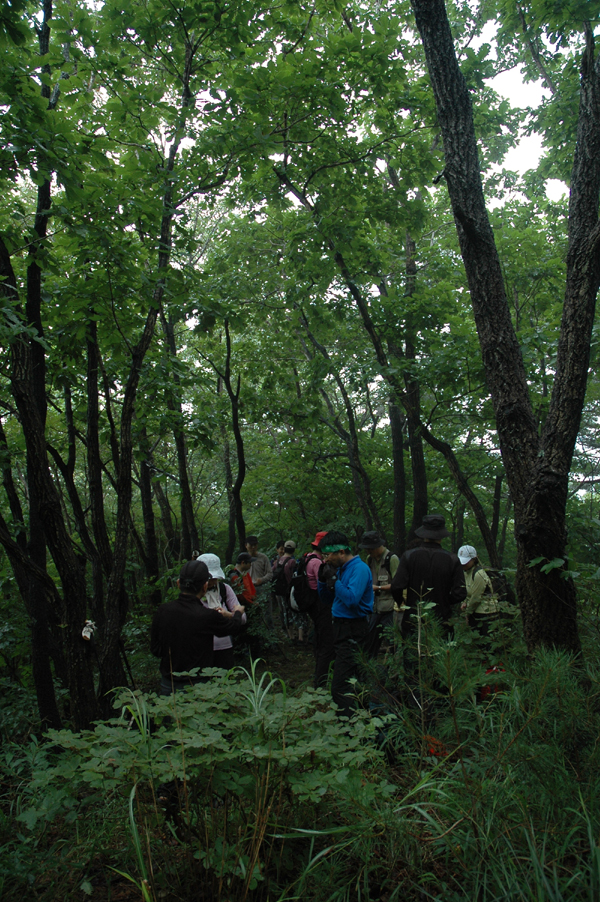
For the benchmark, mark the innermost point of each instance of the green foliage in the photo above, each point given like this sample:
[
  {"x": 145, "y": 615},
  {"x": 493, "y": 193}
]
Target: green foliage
[
  {"x": 507, "y": 808},
  {"x": 250, "y": 781},
  {"x": 238, "y": 790}
]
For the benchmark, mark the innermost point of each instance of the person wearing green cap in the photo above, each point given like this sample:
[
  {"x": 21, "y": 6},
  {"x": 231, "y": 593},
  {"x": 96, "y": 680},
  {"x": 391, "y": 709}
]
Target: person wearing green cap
[{"x": 349, "y": 587}]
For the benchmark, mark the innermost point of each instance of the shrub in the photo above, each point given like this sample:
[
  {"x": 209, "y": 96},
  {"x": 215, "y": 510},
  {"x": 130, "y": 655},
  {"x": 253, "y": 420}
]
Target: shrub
[{"x": 253, "y": 789}]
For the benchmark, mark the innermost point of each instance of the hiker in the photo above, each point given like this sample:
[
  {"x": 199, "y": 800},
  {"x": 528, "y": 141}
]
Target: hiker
[
  {"x": 279, "y": 551},
  {"x": 383, "y": 565},
  {"x": 319, "y": 611},
  {"x": 183, "y": 630},
  {"x": 296, "y": 621},
  {"x": 350, "y": 590},
  {"x": 281, "y": 583},
  {"x": 481, "y": 606},
  {"x": 262, "y": 574},
  {"x": 260, "y": 571},
  {"x": 219, "y": 595},
  {"x": 429, "y": 573},
  {"x": 240, "y": 580}
]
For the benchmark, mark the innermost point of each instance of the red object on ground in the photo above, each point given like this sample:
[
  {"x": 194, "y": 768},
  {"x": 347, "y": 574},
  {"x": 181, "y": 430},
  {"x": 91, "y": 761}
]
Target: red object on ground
[
  {"x": 436, "y": 747},
  {"x": 486, "y": 691}
]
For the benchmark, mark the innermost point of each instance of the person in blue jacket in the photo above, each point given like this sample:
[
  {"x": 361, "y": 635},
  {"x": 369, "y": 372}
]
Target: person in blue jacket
[{"x": 346, "y": 582}]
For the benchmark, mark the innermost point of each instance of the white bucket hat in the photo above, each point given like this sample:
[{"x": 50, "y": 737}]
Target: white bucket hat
[
  {"x": 214, "y": 565},
  {"x": 465, "y": 553}
]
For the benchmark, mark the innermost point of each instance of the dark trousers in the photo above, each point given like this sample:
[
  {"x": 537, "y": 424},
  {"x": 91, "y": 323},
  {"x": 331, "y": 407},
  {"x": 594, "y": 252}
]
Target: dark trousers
[
  {"x": 377, "y": 623},
  {"x": 320, "y": 614},
  {"x": 223, "y": 657},
  {"x": 349, "y": 638}
]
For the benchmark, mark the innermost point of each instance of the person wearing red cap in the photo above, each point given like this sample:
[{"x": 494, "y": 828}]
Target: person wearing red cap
[{"x": 320, "y": 614}]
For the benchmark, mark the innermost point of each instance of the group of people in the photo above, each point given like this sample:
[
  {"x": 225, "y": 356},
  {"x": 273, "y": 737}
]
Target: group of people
[{"x": 350, "y": 602}]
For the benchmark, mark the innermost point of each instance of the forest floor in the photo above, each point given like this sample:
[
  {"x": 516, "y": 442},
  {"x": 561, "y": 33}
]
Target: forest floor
[
  {"x": 290, "y": 661},
  {"x": 293, "y": 663}
]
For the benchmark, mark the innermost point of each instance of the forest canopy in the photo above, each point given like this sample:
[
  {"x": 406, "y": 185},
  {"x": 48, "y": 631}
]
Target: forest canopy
[{"x": 263, "y": 270}]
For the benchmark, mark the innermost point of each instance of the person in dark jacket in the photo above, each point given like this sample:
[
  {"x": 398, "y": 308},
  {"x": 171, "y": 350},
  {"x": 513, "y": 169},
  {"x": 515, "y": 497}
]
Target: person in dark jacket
[
  {"x": 183, "y": 630},
  {"x": 429, "y": 573}
]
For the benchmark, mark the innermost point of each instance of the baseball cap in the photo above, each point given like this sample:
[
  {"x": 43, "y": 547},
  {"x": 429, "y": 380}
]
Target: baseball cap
[
  {"x": 466, "y": 553},
  {"x": 193, "y": 576},
  {"x": 318, "y": 537}
]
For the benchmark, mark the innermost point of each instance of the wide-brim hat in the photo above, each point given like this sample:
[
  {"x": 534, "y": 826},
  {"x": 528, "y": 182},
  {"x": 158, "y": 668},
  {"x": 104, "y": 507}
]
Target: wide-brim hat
[
  {"x": 213, "y": 563},
  {"x": 434, "y": 527},
  {"x": 371, "y": 540}
]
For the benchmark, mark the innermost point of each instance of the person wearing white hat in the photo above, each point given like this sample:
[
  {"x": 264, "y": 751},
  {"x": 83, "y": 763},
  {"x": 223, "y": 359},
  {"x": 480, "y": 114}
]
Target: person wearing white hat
[
  {"x": 481, "y": 605},
  {"x": 220, "y": 596}
]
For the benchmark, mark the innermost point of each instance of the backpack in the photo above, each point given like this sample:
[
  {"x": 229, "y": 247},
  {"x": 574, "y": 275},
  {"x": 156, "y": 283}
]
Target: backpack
[
  {"x": 385, "y": 563},
  {"x": 500, "y": 586},
  {"x": 280, "y": 584},
  {"x": 302, "y": 597}
]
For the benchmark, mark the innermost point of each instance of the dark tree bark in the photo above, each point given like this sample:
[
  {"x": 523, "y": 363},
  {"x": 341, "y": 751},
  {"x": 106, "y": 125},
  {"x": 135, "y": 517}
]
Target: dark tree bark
[
  {"x": 36, "y": 600},
  {"x": 413, "y": 403},
  {"x": 228, "y": 486},
  {"x": 496, "y": 509},
  {"x": 150, "y": 543},
  {"x": 47, "y": 503},
  {"x": 459, "y": 527},
  {"x": 111, "y": 669},
  {"x": 397, "y": 431},
  {"x": 173, "y": 550},
  {"x": 537, "y": 466},
  {"x": 189, "y": 533},
  {"x": 233, "y": 394},
  {"x": 415, "y": 443},
  {"x": 41, "y": 639},
  {"x": 234, "y": 397},
  {"x": 502, "y": 542},
  {"x": 101, "y": 556},
  {"x": 46, "y": 522}
]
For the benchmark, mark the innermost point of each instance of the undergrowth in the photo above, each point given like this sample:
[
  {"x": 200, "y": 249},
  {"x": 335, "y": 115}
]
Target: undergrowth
[{"x": 450, "y": 784}]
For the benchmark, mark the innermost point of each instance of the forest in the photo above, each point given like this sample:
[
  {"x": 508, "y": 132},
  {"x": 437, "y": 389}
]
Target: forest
[{"x": 264, "y": 270}]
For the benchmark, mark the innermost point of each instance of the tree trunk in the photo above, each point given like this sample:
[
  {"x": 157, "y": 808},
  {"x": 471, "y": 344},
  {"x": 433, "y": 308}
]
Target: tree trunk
[
  {"x": 102, "y": 560},
  {"x": 235, "y": 506},
  {"x": 413, "y": 403},
  {"x": 496, "y": 509},
  {"x": 399, "y": 503},
  {"x": 502, "y": 542},
  {"x": 417, "y": 457},
  {"x": 189, "y": 533},
  {"x": 459, "y": 528},
  {"x": 151, "y": 545},
  {"x": 111, "y": 669},
  {"x": 34, "y": 595},
  {"x": 173, "y": 543},
  {"x": 537, "y": 467}
]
